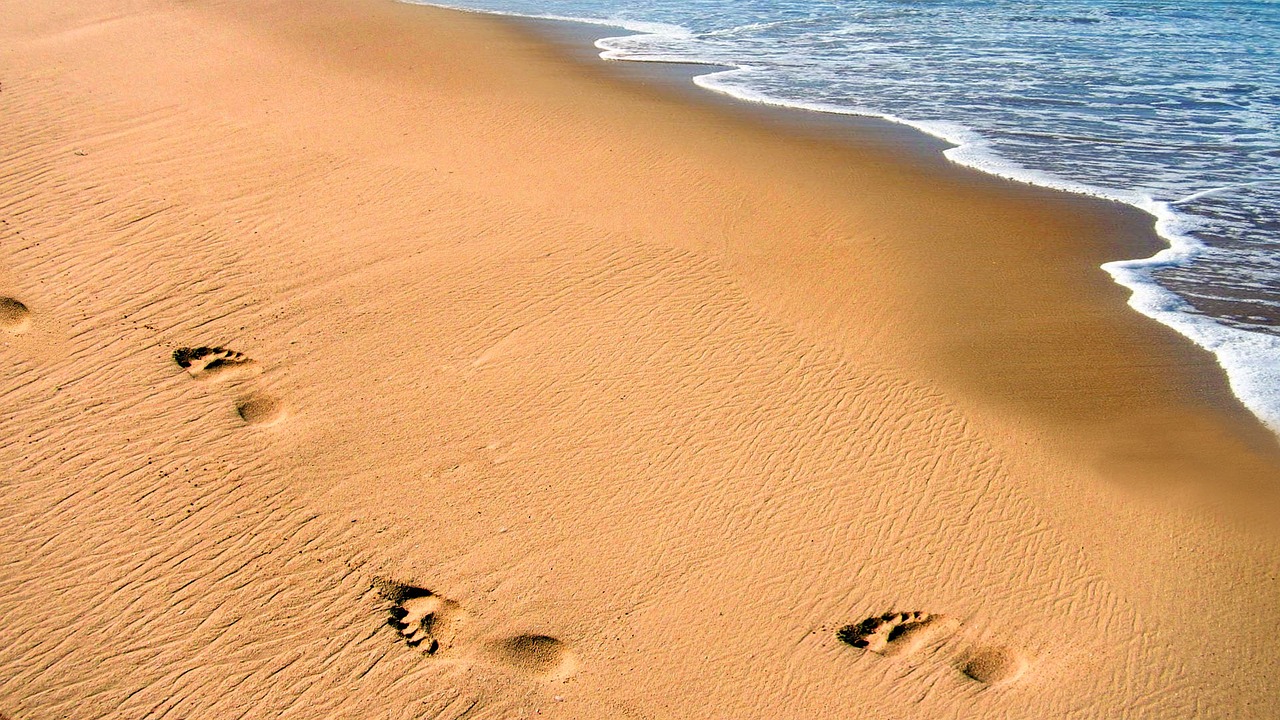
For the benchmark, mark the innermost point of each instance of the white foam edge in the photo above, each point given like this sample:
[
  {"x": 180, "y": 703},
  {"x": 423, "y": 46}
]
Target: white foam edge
[
  {"x": 640, "y": 27},
  {"x": 1250, "y": 360}
]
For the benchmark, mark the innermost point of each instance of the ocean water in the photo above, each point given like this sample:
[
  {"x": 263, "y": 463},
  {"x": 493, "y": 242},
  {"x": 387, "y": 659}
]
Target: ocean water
[{"x": 1173, "y": 107}]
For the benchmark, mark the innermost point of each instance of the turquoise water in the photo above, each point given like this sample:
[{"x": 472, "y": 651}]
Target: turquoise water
[{"x": 1173, "y": 107}]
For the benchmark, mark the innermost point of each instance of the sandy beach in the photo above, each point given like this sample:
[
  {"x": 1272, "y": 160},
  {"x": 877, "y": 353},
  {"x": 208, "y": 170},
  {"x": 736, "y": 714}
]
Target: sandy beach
[{"x": 365, "y": 360}]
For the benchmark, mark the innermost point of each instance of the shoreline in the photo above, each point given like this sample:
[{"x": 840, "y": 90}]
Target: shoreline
[
  {"x": 381, "y": 360},
  {"x": 1135, "y": 235},
  {"x": 578, "y": 38}
]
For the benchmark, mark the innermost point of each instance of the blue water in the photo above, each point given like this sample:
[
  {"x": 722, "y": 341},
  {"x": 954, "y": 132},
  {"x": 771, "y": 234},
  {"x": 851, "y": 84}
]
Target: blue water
[{"x": 1173, "y": 107}]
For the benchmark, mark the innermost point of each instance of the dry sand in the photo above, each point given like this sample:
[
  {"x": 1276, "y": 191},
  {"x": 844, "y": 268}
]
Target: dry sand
[{"x": 329, "y": 313}]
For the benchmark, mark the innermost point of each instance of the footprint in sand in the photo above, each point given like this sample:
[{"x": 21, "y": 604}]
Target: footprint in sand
[
  {"x": 434, "y": 624},
  {"x": 906, "y": 633},
  {"x": 203, "y": 363},
  {"x": 898, "y": 633},
  {"x": 14, "y": 316},
  {"x": 541, "y": 656},
  {"x": 424, "y": 619}
]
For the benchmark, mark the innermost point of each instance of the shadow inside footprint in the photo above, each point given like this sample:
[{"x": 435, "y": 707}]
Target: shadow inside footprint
[
  {"x": 540, "y": 655},
  {"x": 425, "y": 620},
  {"x": 260, "y": 409},
  {"x": 995, "y": 665},
  {"x": 14, "y": 316},
  {"x": 898, "y": 633},
  {"x": 207, "y": 362}
]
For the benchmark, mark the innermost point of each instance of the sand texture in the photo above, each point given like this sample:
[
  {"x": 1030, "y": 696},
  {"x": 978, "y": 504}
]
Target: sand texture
[{"x": 362, "y": 360}]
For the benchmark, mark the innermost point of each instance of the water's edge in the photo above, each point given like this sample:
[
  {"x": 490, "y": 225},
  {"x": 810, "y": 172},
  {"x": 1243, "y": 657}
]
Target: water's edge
[{"x": 1250, "y": 361}]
